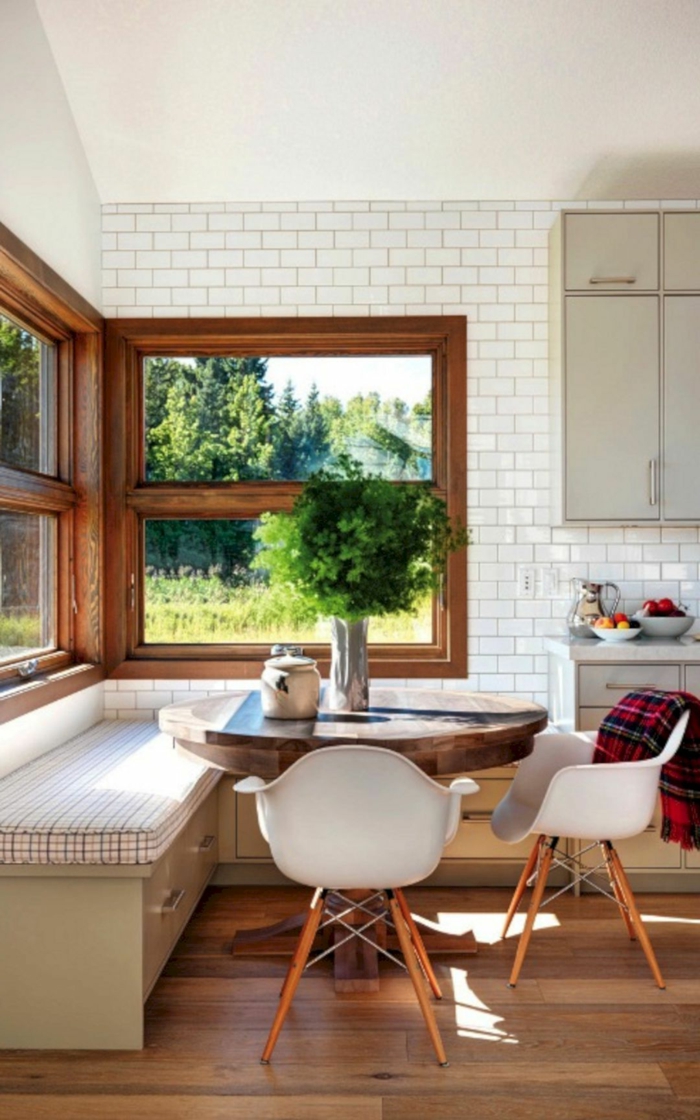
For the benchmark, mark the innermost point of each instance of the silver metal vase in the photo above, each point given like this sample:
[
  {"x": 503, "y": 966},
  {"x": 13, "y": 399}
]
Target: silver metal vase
[{"x": 348, "y": 689}]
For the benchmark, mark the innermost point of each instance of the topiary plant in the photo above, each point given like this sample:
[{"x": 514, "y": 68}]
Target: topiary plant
[{"x": 356, "y": 544}]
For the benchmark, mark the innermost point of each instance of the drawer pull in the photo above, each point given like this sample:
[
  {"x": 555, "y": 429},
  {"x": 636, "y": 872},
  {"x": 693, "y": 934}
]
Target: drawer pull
[
  {"x": 206, "y": 843},
  {"x": 630, "y": 685},
  {"x": 613, "y": 280},
  {"x": 173, "y": 901},
  {"x": 477, "y": 815}
]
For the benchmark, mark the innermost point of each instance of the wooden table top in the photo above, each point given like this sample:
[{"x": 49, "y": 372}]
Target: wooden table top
[{"x": 445, "y": 733}]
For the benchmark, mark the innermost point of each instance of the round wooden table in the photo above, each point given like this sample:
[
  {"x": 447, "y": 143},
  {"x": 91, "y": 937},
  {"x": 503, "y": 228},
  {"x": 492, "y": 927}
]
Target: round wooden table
[{"x": 444, "y": 733}]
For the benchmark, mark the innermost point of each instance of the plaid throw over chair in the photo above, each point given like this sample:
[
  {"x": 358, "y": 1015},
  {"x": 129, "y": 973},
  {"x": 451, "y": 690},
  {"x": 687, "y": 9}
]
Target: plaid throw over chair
[{"x": 638, "y": 728}]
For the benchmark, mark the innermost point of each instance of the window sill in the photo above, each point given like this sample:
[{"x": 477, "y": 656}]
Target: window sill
[
  {"x": 17, "y": 696},
  {"x": 211, "y": 669}
]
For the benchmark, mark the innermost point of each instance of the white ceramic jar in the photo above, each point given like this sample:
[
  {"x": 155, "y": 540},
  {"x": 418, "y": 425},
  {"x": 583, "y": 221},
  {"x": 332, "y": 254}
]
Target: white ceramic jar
[{"x": 290, "y": 687}]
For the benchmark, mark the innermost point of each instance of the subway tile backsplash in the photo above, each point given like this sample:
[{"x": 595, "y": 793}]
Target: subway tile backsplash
[{"x": 485, "y": 260}]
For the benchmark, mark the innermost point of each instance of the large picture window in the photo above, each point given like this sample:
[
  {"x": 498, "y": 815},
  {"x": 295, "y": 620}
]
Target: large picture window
[{"x": 212, "y": 424}]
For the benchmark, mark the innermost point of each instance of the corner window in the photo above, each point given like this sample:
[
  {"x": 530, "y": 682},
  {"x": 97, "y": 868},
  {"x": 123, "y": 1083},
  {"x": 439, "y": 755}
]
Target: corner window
[
  {"x": 50, "y": 465},
  {"x": 214, "y": 423}
]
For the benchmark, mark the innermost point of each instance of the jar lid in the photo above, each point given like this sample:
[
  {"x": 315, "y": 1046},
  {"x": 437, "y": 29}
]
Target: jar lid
[{"x": 290, "y": 661}]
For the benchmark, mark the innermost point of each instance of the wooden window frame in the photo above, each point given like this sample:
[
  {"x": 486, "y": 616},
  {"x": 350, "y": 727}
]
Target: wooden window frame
[
  {"x": 131, "y": 500},
  {"x": 35, "y": 297}
]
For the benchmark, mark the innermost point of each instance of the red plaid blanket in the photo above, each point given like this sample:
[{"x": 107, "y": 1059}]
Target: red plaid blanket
[{"x": 638, "y": 727}]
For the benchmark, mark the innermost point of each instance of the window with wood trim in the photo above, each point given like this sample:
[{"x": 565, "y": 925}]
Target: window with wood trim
[
  {"x": 212, "y": 423},
  {"x": 50, "y": 532}
]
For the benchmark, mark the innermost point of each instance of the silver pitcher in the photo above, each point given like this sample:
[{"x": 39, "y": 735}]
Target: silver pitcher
[{"x": 589, "y": 604}]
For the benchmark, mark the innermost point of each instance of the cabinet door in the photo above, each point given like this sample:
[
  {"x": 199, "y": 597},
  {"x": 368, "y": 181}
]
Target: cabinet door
[
  {"x": 611, "y": 252},
  {"x": 612, "y": 408},
  {"x": 682, "y": 251},
  {"x": 682, "y": 408}
]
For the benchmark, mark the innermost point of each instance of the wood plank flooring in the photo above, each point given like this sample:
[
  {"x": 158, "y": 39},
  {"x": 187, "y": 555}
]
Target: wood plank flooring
[{"x": 585, "y": 1036}]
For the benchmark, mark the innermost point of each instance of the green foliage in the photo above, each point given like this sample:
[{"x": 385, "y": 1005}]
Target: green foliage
[
  {"x": 357, "y": 545},
  {"x": 201, "y": 609},
  {"x": 20, "y": 631},
  {"x": 216, "y": 420},
  {"x": 20, "y": 366}
]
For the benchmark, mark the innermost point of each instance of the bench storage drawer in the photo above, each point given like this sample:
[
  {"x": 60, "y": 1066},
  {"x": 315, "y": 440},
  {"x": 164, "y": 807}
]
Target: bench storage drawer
[{"x": 171, "y": 893}]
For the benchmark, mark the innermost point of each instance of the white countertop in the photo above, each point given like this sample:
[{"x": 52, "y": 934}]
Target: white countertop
[{"x": 639, "y": 649}]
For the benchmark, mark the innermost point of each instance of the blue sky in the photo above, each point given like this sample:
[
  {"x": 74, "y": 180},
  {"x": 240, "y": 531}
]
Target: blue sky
[{"x": 407, "y": 377}]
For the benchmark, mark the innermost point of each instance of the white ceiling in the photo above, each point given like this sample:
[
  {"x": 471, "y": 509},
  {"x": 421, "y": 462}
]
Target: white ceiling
[{"x": 212, "y": 100}]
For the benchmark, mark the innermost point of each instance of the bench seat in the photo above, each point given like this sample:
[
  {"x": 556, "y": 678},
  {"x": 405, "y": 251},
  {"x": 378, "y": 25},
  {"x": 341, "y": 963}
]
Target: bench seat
[
  {"x": 117, "y": 794},
  {"x": 106, "y": 844}
]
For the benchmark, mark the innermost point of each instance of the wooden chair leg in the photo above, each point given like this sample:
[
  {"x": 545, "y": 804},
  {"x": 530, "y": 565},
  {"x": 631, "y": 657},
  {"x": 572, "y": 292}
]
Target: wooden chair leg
[
  {"x": 644, "y": 941},
  {"x": 296, "y": 968},
  {"x": 295, "y": 955},
  {"x": 417, "y": 979},
  {"x": 619, "y": 896},
  {"x": 537, "y": 892},
  {"x": 418, "y": 945},
  {"x": 522, "y": 884}
]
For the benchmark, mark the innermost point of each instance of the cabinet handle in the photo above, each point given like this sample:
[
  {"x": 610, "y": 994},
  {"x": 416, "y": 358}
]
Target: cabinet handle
[
  {"x": 613, "y": 280},
  {"x": 629, "y": 685},
  {"x": 476, "y": 815},
  {"x": 653, "y": 491},
  {"x": 173, "y": 901},
  {"x": 206, "y": 843}
]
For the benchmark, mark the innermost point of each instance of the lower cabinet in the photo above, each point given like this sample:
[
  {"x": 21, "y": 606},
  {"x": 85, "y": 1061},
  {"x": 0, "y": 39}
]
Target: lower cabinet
[{"x": 581, "y": 695}]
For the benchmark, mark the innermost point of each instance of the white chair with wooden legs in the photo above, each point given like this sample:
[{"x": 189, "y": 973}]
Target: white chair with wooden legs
[
  {"x": 556, "y": 792},
  {"x": 356, "y": 817}
]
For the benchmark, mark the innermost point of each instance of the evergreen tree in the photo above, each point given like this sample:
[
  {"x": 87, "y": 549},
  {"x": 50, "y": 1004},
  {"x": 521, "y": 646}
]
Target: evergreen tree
[{"x": 287, "y": 432}]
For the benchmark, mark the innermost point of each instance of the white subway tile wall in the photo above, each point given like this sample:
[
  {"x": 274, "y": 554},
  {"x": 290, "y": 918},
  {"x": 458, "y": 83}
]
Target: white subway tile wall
[{"x": 485, "y": 260}]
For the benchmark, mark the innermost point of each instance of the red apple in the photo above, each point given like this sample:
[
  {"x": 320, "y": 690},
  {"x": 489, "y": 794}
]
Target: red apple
[
  {"x": 666, "y": 606},
  {"x": 651, "y": 607}
]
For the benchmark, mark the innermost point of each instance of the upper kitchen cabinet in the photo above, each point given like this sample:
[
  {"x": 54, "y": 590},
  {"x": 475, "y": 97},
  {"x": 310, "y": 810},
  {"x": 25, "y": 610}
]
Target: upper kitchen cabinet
[
  {"x": 682, "y": 252},
  {"x": 612, "y": 433},
  {"x": 681, "y": 407},
  {"x": 625, "y": 405},
  {"x": 611, "y": 252}
]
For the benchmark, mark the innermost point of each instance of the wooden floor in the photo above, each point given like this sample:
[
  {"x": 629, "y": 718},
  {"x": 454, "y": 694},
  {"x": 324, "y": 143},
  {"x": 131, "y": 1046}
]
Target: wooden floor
[{"x": 586, "y": 1035}]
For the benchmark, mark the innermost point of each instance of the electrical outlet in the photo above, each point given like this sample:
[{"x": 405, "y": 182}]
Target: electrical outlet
[{"x": 526, "y": 582}]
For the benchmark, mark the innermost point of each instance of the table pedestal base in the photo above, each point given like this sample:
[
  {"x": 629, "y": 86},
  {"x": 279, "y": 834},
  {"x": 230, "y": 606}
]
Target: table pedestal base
[{"x": 355, "y": 963}]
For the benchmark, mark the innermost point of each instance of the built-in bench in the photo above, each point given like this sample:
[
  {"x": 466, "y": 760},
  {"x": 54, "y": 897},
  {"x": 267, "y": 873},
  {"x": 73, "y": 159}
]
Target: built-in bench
[{"x": 106, "y": 844}]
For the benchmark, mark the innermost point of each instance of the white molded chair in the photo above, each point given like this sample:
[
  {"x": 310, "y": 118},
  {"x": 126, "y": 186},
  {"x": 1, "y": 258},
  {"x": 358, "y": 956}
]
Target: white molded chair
[
  {"x": 557, "y": 792},
  {"x": 354, "y": 817}
]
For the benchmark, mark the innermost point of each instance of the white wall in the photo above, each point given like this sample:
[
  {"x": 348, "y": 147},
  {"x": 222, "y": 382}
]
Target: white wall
[
  {"x": 487, "y": 261},
  {"x": 47, "y": 194},
  {"x": 40, "y": 731}
]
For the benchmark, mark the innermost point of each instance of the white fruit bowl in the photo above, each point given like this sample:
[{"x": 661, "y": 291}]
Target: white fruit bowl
[
  {"x": 616, "y": 635},
  {"x": 665, "y": 627}
]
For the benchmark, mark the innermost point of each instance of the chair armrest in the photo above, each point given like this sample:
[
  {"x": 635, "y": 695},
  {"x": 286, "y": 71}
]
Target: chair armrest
[
  {"x": 250, "y": 785},
  {"x": 459, "y": 788},
  {"x": 464, "y": 786}
]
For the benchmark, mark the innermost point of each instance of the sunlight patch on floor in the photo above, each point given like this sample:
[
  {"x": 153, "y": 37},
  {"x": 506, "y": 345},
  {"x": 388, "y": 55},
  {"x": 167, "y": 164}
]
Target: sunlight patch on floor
[
  {"x": 487, "y": 927},
  {"x": 473, "y": 1019},
  {"x": 667, "y": 918}
]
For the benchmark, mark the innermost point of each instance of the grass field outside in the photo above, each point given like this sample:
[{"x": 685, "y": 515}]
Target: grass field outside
[{"x": 203, "y": 609}]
